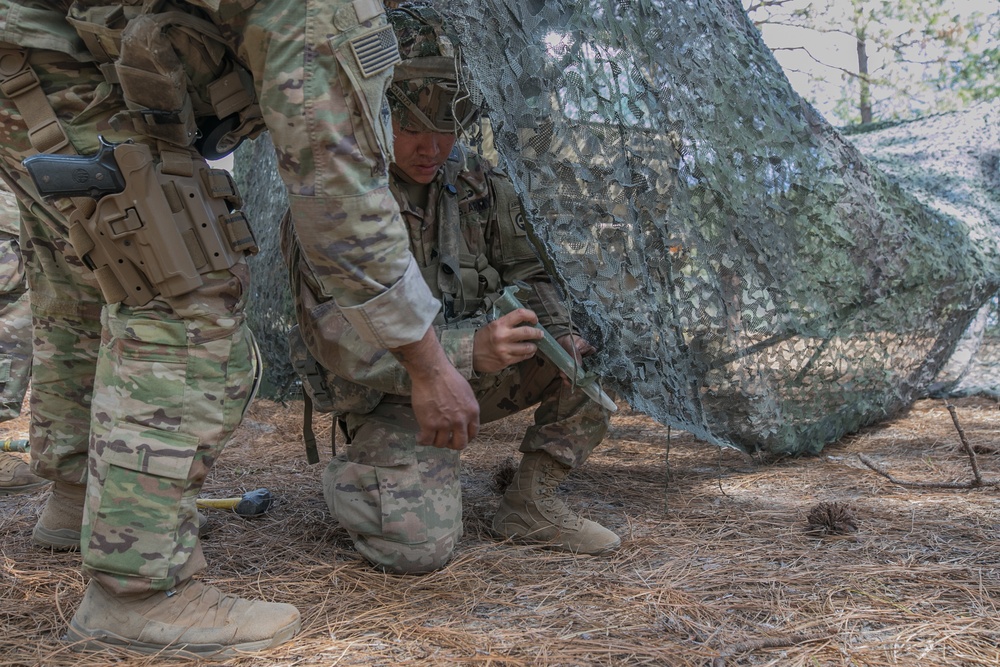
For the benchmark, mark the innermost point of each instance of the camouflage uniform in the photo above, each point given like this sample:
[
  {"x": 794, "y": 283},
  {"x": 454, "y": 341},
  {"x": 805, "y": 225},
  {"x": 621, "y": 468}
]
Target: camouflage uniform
[
  {"x": 139, "y": 401},
  {"x": 15, "y": 313},
  {"x": 15, "y": 344},
  {"x": 401, "y": 502}
]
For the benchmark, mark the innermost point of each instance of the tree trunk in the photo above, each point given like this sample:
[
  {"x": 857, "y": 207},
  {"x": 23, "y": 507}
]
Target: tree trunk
[{"x": 865, "y": 98}]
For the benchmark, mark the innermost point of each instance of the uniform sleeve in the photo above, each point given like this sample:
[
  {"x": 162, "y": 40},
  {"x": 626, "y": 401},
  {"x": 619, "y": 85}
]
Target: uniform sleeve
[
  {"x": 362, "y": 364},
  {"x": 515, "y": 257},
  {"x": 321, "y": 79}
]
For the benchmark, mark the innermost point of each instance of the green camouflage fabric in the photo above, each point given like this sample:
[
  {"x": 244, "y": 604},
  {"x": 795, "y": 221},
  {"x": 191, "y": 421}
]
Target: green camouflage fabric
[
  {"x": 431, "y": 77},
  {"x": 401, "y": 502},
  {"x": 490, "y": 248},
  {"x": 15, "y": 313},
  {"x": 138, "y": 402},
  {"x": 346, "y": 222}
]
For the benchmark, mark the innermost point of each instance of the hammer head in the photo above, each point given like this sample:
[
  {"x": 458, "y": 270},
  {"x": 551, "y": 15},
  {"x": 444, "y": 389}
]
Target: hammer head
[{"x": 254, "y": 503}]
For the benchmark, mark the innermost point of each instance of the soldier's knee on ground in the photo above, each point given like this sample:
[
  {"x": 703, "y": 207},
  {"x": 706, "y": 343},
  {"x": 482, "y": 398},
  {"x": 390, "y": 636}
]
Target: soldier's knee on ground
[
  {"x": 398, "y": 558},
  {"x": 397, "y": 523}
]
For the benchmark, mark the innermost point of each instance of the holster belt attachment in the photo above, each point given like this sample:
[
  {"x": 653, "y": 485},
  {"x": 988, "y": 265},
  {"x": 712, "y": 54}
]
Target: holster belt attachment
[
  {"x": 20, "y": 85},
  {"x": 174, "y": 221}
]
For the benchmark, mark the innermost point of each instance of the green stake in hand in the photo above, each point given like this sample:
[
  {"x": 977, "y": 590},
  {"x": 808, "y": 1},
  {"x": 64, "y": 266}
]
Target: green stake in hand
[{"x": 554, "y": 352}]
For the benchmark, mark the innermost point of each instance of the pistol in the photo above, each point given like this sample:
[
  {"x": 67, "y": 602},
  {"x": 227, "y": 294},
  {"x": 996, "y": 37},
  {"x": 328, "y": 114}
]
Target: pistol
[
  {"x": 554, "y": 352},
  {"x": 77, "y": 175}
]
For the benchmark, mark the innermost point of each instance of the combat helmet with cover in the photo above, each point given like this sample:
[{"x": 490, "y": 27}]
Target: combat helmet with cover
[{"x": 430, "y": 88}]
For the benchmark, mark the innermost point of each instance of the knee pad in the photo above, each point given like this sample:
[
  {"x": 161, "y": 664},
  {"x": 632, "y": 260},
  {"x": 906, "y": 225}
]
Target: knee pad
[{"x": 398, "y": 558}]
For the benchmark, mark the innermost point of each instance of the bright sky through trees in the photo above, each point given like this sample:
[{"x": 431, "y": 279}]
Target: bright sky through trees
[{"x": 918, "y": 52}]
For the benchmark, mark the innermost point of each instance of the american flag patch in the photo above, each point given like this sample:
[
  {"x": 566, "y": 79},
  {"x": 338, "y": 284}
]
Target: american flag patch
[{"x": 376, "y": 51}]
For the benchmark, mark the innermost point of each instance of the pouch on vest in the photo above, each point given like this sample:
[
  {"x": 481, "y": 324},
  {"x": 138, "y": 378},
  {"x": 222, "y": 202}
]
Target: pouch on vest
[
  {"x": 328, "y": 391},
  {"x": 325, "y": 392},
  {"x": 180, "y": 82}
]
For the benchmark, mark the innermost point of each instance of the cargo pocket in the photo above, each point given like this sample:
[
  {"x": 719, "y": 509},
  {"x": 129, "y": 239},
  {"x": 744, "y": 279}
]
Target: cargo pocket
[
  {"x": 144, "y": 473},
  {"x": 149, "y": 384},
  {"x": 10, "y": 256},
  {"x": 384, "y": 502}
]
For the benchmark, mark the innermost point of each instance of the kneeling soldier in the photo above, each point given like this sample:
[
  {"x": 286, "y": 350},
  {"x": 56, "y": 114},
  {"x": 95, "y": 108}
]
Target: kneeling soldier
[{"x": 401, "y": 501}]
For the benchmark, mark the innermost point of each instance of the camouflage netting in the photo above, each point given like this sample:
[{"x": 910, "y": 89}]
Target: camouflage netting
[
  {"x": 749, "y": 275},
  {"x": 951, "y": 162},
  {"x": 974, "y": 369},
  {"x": 270, "y": 310}
]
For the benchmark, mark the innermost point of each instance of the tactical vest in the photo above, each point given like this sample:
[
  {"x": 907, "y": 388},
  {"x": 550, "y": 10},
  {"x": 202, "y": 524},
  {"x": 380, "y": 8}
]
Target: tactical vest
[
  {"x": 180, "y": 81},
  {"x": 450, "y": 238},
  {"x": 470, "y": 216}
]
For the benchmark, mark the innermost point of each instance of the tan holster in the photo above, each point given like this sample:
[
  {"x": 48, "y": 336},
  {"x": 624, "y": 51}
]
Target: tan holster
[{"x": 175, "y": 220}]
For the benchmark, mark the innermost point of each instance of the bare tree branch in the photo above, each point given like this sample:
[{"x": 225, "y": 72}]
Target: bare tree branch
[
  {"x": 971, "y": 484},
  {"x": 965, "y": 444},
  {"x": 976, "y": 482},
  {"x": 836, "y": 68},
  {"x": 911, "y": 43}
]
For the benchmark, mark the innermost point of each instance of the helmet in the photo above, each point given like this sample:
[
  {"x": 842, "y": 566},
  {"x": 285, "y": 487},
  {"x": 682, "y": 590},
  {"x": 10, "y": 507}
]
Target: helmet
[{"x": 429, "y": 90}]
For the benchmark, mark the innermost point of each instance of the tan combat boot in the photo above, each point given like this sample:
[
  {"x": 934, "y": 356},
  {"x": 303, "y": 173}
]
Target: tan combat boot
[
  {"x": 16, "y": 476},
  {"x": 531, "y": 511},
  {"x": 192, "y": 620},
  {"x": 59, "y": 525}
]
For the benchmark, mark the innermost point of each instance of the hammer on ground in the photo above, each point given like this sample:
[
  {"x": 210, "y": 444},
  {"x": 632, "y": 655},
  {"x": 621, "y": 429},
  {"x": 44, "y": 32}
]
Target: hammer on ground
[
  {"x": 250, "y": 504},
  {"x": 14, "y": 445}
]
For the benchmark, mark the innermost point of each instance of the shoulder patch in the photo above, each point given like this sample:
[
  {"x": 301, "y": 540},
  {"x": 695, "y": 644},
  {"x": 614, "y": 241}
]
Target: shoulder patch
[
  {"x": 517, "y": 218},
  {"x": 376, "y": 51}
]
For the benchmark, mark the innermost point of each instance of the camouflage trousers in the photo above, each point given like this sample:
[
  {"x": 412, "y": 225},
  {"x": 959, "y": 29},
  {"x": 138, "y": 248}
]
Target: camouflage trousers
[
  {"x": 135, "y": 402},
  {"x": 402, "y": 502},
  {"x": 15, "y": 316}
]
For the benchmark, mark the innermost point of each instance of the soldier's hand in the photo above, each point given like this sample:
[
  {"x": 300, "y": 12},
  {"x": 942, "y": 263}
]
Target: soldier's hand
[
  {"x": 443, "y": 402},
  {"x": 577, "y": 347},
  {"x": 506, "y": 341}
]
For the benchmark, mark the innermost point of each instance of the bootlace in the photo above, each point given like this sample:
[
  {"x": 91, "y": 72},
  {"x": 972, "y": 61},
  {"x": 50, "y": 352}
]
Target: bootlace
[
  {"x": 552, "y": 504},
  {"x": 196, "y": 601}
]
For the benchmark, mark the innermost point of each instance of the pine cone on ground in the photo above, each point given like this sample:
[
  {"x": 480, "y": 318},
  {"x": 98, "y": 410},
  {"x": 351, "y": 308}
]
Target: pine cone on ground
[{"x": 832, "y": 519}]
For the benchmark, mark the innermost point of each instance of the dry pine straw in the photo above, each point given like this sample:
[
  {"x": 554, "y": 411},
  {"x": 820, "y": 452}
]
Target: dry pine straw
[{"x": 718, "y": 565}]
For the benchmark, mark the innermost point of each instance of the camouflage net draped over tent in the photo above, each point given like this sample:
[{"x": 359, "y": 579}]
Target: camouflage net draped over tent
[
  {"x": 269, "y": 311},
  {"x": 951, "y": 162},
  {"x": 748, "y": 275}
]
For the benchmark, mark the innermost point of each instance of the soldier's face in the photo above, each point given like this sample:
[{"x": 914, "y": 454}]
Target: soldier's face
[{"x": 419, "y": 155}]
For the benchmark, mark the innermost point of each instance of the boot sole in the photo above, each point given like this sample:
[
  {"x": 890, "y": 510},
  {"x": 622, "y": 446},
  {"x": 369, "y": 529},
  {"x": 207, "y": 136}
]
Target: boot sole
[
  {"x": 85, "y": 640},
  {"x": 63, "y": 539},
  {"x": 524, "y": 535},
  {"x": 12, "y": 490},
  {"x": 554, "y": 545}
]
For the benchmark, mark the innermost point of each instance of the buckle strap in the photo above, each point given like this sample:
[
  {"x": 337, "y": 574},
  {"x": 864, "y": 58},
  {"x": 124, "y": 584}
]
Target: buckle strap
[{"x": 21, "y": 85}]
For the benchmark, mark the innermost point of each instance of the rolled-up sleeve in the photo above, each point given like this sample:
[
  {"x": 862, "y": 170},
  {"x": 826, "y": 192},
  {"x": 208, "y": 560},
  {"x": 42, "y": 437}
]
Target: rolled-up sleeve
[{"x": 400, "y": 315}]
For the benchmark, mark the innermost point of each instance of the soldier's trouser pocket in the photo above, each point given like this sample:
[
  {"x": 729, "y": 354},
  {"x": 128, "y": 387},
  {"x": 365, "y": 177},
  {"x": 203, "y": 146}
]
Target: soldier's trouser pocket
[
  {"x": 139, "y": 528},
  {"x": 12, "y": 273},
  {"x": 399, "y": 519},
  {"x": 384, "y": 501}
]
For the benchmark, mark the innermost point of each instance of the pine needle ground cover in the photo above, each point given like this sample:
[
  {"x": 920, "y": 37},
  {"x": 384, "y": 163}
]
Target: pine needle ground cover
[{"x": 726, "y": 559}]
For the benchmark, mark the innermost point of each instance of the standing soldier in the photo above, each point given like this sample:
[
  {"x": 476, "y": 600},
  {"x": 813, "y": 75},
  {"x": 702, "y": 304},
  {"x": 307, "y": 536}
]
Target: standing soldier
[
  {"x": 15, "y": 344},
  {"x": 400, "y": 501},
  {"x": 143, "y": 362}
]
